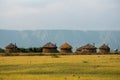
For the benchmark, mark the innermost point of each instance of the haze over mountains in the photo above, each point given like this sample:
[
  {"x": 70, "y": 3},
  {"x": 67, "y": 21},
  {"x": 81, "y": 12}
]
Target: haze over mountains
[{"x": 76, "y": 38}]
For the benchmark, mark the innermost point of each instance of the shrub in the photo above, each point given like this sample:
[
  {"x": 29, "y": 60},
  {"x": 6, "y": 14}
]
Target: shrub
[
  {"x": 85, "y": 61},
  {"x": 55, "y": 55},
  {"x": 11, "y": 54}
]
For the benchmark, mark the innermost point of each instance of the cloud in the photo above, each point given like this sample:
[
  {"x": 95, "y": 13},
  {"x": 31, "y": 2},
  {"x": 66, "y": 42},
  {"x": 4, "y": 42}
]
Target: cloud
[
  {"x": 25, "y": 7},
  {"x": 60, "y": 14}
]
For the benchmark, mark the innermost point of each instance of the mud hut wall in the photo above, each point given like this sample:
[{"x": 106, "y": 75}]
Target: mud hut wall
[
  {"x": 85, "y": 50},
  {"x": 104, "y": 50},
  {"x": 65, "y": 51},
  {"x": 49, "y": 50},
  {"x": 8, "y": 50},
  {"x": 11, "y": 50}
]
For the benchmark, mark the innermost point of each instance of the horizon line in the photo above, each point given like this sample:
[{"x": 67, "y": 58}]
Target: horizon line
[{"x": 57, "y": 29}]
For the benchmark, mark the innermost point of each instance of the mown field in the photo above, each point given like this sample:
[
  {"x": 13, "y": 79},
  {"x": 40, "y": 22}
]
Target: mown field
[{"x": 70, "y": 67}]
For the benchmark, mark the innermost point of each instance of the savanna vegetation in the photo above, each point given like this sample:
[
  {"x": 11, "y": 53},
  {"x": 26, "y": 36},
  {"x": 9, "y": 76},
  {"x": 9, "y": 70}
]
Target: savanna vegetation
[{"x": 59, "y": 67}]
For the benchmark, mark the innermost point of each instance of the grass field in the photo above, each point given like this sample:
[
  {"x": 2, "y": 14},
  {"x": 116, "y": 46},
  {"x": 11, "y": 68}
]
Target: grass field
[{"x": 71, "y": 67}]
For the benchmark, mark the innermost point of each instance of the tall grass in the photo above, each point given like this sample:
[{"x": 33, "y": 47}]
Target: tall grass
[{"x": 72, "y": 67}]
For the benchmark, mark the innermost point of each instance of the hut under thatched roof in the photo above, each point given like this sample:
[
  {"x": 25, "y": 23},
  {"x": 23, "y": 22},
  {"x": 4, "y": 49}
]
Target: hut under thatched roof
[
  {"x": 65, "y": 48},
  {"x": 11, "y": 48},
  {"x": 88, "y": 48},
  {"x": 79, "y": 50},
  {"x": 104, "y": 49},
  {"x": 49, "y": 48}
]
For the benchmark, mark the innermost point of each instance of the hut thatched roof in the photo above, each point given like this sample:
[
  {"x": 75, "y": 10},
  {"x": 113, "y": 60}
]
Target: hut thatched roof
[
  {"x": 104, "y": 46},
  {"x": 89, "y": 46},
  {"x": 50, "y": 45},
  {"x": 65, "y": 46},
  {"x": 11, "y": 45},
  {"x": 80, "y": 48}
]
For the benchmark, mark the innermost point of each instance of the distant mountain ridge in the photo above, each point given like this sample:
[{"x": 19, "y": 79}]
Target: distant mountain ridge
[{"x": 76, "y": 38}]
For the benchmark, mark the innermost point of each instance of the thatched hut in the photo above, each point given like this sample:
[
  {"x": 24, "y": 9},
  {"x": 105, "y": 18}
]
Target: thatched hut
[
  {"x": 88, "y": 48},
  {"x": 79, "y": 50},
  {"x": 49, "y": 48},
  {"x": 65, "y": 48},
  {"x": 104, "y": 49},
  {"x": 11, "y": 48}
]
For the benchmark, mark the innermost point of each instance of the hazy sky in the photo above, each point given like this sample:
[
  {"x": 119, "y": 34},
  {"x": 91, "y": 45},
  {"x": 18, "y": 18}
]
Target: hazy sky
[{"x": 60, "y": 14}]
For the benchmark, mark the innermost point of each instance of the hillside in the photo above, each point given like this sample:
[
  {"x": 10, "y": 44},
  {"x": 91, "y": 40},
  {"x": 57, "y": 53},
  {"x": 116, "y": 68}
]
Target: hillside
[{"x": 76, "y": 38}]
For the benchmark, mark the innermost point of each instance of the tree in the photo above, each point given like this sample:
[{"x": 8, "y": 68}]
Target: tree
[{"x": 2, "y": 50}]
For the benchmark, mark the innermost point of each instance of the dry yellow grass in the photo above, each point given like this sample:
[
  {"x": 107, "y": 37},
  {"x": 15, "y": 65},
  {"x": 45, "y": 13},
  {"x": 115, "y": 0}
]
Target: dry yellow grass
[{"x": 72, "y": 67}]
